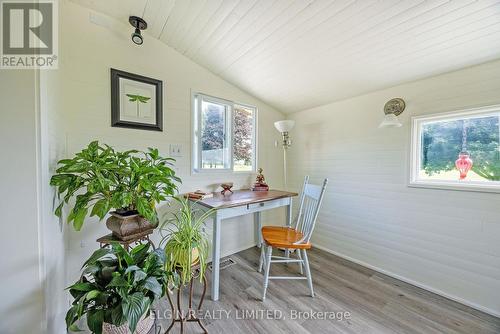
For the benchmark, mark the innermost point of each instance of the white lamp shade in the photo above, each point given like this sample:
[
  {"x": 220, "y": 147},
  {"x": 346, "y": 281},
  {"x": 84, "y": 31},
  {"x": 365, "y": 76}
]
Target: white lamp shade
[
  {"x": 390, "y": 121},
  {"x": 284, "y": 126}
]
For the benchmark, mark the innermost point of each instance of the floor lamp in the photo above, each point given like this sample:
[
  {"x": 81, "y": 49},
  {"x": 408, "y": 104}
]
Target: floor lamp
[{"x": 284, "y": 127}]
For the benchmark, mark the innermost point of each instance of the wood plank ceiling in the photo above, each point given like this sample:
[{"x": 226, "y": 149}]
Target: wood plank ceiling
[{"x": 297, "y": 54}]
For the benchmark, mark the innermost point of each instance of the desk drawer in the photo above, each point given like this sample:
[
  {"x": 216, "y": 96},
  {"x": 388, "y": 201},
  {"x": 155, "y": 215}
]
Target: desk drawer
[{"x": 253, "y": 207}]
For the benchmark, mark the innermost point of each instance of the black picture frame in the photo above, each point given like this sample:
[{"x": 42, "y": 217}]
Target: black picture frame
[{"x": 116, "y": 112}]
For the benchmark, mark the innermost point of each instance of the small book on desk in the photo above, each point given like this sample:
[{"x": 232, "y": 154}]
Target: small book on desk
[
  {"x": 260, "y": 188},
  {"x": 198, "y": 194}
]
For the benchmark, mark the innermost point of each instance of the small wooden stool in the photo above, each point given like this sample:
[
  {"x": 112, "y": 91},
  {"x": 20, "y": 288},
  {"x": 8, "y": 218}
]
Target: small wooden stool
[{"x": 190, "y": 316}]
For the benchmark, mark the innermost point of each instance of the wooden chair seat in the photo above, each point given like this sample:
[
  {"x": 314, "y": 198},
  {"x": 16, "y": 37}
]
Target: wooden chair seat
[{"x": 283, "y": 237}]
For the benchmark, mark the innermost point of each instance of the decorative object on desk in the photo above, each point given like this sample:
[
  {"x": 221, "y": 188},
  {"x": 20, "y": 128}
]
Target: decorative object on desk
[
  {"x": 136, "y": 101},
  {"x": 132, "y": 182},
  {"x": 117, "y": 288},
  {"x": 284, "y": 127},
  {"x": 260, "y": 182},
  {"x": 185, "y": 240},
  {"x": 226, "y": 187},
  {"x": 392, "y": 109},
  {"x": 199, "y": 195}
]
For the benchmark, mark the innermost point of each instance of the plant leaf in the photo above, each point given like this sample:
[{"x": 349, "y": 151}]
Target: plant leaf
[
  {"x": 143, "y": 207},
  {"x": 131, "y": 269},
  {"x": 58, "y": 211},
  {"x": 100, "y": 209},
  {"x": 92, "y": 294},
  {"x": 91, "y": 269},
  {"x": 117, "y": 281},
  {"x": 79, "y": 218},
  {"x": 82, "y": 287},
  {"x": 134, "y": 306},
  {"x": 95, "y": 318},
  {"x": 71, "y": 316},
  {"x": 117, "y": 317},
  {"x": 139, "y": 275},
  {"x": 74, "y": 328},
  {"x": 152, "y": 285},
  {"x": 139, "y": 253},
  {"x": 98, "y": 254}
]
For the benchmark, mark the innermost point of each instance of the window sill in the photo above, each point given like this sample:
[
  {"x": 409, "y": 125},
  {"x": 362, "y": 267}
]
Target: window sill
[
  {"x": 456, "y": 186},
  {"x": 219, "y": 172}
]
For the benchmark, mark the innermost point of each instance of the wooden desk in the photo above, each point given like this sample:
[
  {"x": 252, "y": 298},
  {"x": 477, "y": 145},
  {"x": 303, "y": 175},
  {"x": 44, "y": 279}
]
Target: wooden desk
[{"x": 241, "y": 202}]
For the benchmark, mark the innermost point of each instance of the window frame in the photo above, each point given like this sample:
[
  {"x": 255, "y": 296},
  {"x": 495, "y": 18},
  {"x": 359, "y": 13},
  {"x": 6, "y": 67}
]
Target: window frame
[
  {"x": 415, "y": 151},
  {"x": 196, "y": 102}
]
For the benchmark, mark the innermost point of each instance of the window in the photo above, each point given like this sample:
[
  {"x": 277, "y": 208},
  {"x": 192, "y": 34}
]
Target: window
[
  {"x": 459, "y": 150},
  {"x": 224, "y": 135}
]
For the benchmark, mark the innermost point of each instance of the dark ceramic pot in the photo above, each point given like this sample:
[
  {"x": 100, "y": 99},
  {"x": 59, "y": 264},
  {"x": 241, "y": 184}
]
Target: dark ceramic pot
[{"x": 128, "y": 225}]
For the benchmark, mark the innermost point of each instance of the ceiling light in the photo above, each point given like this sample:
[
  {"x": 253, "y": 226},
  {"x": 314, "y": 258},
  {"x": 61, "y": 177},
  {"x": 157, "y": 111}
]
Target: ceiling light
[{"x": 139, "y": 24}]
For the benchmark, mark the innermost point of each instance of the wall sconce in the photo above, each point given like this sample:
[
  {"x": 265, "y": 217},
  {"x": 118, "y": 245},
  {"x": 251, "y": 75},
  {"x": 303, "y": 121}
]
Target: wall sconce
[
  {"x": 284, "y": 127},
  {"x": 392, "y": 109}
]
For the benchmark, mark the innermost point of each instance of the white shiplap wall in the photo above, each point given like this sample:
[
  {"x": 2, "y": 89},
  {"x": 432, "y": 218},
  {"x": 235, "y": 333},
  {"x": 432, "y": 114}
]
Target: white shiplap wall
[
  {"x": 87, "y": 53},
  {"x": 445, "y": 241}
]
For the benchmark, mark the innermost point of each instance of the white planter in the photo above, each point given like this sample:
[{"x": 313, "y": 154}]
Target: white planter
[{"x": 143, "y": 326}]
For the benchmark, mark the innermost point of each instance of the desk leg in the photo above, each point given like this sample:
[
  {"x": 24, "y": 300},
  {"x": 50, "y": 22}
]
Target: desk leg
[
  {"x": 215, "y": 257},
  {"x": 288, "y": 222},
  {"x": 258, "y": 227},
  {"x": 289, "y": 214}
]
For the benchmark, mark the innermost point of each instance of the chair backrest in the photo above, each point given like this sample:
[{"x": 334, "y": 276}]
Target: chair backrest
[{"x": 310, "y": 202}]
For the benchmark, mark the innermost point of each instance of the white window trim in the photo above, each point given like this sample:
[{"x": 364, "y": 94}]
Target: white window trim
[
  {"x": 196, "y": 124},
  {"x": 415, "y": 144}
]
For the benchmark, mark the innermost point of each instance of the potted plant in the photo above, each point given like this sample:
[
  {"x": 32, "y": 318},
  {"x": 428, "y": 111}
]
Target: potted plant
[
  {"x": 101, "y": 179},
  {"x": 185, "y": 241},
  {"x": 117, "y": 288}
]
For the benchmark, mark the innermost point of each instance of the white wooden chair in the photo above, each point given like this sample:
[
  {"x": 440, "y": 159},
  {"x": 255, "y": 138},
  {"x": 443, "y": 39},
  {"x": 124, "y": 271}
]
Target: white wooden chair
[{"x": 297, "y": 237}]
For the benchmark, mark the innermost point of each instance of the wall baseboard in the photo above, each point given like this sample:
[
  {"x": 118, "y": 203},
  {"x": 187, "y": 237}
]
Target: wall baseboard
[
  {"x": 232, "y": 251},
  {"x": 412, "y": 282}
]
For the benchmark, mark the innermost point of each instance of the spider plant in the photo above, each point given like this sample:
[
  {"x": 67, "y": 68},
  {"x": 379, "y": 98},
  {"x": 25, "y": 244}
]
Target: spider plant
[{"x": 185, "y": 240}]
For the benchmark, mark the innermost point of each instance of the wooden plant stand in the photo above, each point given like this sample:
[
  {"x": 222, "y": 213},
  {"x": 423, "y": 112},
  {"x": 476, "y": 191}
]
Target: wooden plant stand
[
  {"x": 190, "y": 315},
  {"x": 137, "y": 239}
]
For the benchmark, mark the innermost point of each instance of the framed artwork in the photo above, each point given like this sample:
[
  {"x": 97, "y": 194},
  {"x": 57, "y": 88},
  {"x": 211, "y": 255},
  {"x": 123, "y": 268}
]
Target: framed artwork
[{"x": 136, "y": 101}]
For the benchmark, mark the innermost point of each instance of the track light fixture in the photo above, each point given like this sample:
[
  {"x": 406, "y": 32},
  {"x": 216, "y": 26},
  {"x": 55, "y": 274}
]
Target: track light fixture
[{"x": 139, "y": 24}]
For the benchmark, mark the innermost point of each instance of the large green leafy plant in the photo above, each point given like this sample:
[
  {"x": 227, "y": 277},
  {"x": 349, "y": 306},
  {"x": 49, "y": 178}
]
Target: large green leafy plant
[
  {"x": 118, "y": 286},
  {"x": 182, "y": 233},
  {"x": 102, "y": 179}
]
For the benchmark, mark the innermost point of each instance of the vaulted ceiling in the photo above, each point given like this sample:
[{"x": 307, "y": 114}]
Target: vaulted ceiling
[{"x": 296, "y": 54}]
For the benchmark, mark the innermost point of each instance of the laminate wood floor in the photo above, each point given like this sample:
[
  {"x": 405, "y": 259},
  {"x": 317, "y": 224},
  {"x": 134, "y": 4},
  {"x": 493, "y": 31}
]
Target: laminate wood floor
[{"x": 376, "y": 303}]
